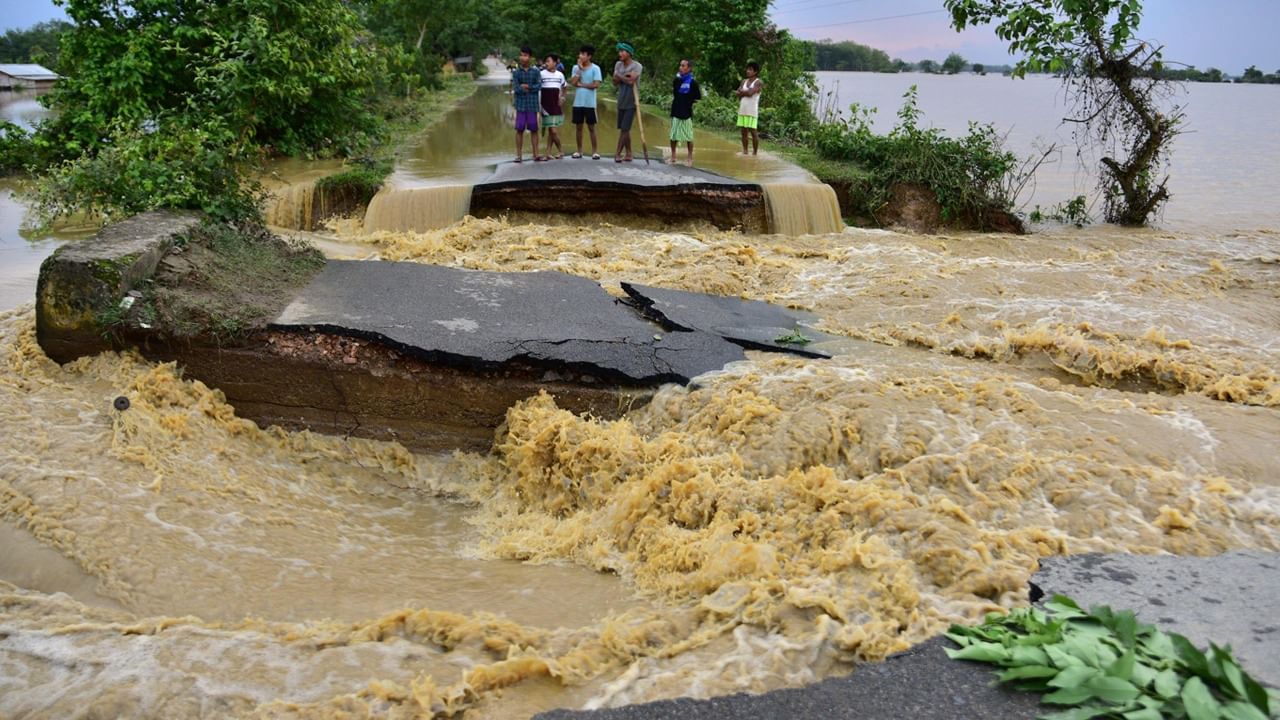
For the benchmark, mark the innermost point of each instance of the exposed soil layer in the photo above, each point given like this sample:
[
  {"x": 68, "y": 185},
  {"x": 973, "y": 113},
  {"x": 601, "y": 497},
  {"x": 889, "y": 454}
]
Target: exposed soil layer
[
  {"x": 726, "y": 207},
  {"x": 356, "y": 387}
]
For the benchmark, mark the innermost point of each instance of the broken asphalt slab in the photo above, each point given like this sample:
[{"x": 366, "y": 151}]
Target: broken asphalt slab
[
  {"x": 921, "y": 683},
  {"x": 1229, "y": 599},
  {"x": 749, "y": 323},
  {"x": 471, "y": 318},
  {"x": 657, "y": 191}
]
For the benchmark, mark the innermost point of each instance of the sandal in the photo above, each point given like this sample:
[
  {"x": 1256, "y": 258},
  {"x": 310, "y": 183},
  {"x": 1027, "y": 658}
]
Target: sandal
[
  {"x": 628, "y": 159},
  {"x": 519, "y": 160},
  {"x": 577, "y": 156},
  {"x": 540, "y": 159},
  {"x": 557, "y": 157},
  {"x": 617, "y": 159},
  {"x": 595, "y": 156}
]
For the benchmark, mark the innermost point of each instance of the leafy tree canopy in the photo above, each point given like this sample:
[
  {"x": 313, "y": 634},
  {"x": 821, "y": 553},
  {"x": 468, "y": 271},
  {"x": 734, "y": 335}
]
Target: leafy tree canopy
[
  {"x": 287, "y": 73},
  {"x": 1049, "y": 34},
  {"x": 954, "y": 64}
]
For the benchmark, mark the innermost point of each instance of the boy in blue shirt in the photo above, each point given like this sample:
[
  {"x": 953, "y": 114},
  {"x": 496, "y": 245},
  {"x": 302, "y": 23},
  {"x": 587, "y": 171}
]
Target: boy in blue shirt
[{"x": 586, "y": 77}]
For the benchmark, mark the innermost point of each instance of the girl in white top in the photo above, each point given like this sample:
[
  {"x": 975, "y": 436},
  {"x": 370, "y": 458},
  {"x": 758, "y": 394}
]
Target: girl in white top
[{"x": 749, "y": 108}]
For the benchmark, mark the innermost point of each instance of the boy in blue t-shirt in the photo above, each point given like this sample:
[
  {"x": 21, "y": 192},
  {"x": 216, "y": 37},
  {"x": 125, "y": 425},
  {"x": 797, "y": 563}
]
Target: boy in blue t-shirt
[{"x": 585, "y": 79}]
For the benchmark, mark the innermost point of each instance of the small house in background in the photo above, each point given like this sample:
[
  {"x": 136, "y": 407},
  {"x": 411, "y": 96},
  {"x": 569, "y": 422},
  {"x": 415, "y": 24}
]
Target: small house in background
[
  {"x": 24, "y": 77},
  {"x": 460, "y": 64}
]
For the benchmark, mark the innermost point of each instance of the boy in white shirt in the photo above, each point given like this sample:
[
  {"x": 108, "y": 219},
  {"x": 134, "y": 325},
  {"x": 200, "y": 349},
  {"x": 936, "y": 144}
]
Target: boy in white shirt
[{"x": 552, "y": 100}]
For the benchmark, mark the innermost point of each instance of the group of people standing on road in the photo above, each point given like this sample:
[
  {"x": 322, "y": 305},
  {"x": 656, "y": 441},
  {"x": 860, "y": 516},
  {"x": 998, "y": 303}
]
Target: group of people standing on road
[{"x": 539, "y": 92}]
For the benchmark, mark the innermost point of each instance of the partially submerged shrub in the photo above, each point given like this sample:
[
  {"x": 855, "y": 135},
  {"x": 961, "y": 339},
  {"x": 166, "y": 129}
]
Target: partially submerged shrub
[
  {"x": 171, "y": 163},
  {"x": 360, "y": 182},
  {"x": 971, "y": 175}
]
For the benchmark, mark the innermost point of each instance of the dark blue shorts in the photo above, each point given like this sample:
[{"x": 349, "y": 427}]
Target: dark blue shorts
[{"x": 625, "y": 118}]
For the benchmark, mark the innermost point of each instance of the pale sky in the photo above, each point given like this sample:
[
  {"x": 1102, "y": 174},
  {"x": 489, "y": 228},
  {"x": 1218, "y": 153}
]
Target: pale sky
[{"x": 1227, "y": 34}]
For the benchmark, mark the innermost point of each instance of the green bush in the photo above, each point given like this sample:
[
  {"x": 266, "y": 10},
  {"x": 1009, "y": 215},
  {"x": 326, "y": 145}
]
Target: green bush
[
  {"x": 168, "y": 164},
  {"x": 971, "y": 175},
  {"x": 360, "y": 182},
  {"x": 17, "y": 151},
  {"x": 716, "y": 110},
  {"x": 293, "y": 75}
]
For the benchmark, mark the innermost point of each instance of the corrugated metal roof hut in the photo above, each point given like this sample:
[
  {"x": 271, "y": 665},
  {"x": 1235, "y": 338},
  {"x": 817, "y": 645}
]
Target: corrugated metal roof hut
[{"x": 21, "y": 76}]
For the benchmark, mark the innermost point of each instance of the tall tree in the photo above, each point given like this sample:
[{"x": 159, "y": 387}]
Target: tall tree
[
  {"x": 953, "y": 64},
  {"x": 1111, "y": 79}
]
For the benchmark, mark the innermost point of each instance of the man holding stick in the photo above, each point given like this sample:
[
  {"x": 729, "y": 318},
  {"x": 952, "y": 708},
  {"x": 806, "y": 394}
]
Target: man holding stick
[{"x": 626, "y": 72}]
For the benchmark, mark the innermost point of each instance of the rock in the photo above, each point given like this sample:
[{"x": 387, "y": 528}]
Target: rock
[{"x": 82, "y": 280}]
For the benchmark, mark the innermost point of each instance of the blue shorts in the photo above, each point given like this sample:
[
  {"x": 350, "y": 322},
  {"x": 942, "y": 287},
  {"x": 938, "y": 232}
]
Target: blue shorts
[{"x": 625, "y": 118}]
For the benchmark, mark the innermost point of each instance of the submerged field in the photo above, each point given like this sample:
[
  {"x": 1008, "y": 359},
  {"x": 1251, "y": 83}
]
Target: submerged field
[{"x": 993, "y": 400}]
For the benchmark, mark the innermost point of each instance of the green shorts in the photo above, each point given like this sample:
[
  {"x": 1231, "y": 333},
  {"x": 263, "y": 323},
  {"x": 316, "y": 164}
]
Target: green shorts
[
  {"x": 552, "y": 120},
  {"x": 682, "y": 130},
  {"x": 750, "y": 122}
]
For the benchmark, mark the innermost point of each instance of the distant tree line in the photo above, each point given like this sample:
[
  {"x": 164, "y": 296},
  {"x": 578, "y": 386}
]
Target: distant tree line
[
  {"x": 1253, "y": 75},
  {"x": 1190, "y": 73},
  {"x": 37, "y": 44},
  {"x": 848, "y": 56}
]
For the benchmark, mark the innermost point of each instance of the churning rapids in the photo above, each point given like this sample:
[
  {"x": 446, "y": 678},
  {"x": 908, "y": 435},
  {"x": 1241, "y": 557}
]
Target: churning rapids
[{"x": 994, "y": 400}]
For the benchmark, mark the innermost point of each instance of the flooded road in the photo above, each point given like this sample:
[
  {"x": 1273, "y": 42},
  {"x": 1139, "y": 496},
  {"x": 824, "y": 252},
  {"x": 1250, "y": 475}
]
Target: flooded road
[
  {"x": 478, "y": 134},
  {"x": 992, "y": 400}
]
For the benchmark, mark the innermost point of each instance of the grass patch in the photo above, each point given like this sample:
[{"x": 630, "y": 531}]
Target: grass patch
[
  {"x": 356, "y": 185},
  {"x": 1102, "y": 663},
  {"x": 223, "y": 281}
]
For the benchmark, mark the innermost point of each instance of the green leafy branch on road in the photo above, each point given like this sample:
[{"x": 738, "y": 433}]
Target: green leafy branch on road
[{"x": 1108, "y": 665}]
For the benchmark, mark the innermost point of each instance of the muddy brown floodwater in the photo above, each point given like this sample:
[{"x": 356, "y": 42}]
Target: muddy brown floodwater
[{"x": 993, "y": 400}]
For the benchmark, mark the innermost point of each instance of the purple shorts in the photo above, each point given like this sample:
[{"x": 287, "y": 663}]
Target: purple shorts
[{"x": 527, "y": 120}]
